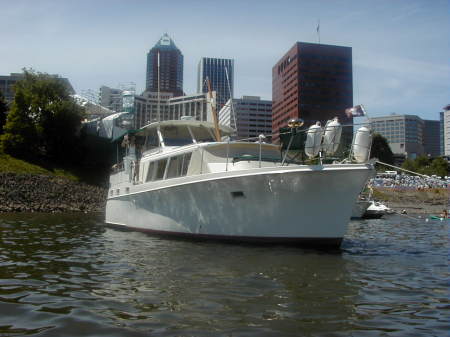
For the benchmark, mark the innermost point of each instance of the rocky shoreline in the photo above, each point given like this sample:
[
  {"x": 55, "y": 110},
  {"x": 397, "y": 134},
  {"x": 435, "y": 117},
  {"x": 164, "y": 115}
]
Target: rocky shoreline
[{"x": 43, "y": 193}]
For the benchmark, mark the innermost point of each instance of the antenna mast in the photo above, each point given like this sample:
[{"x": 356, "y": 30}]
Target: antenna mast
[
  {"x": 231, "y": 98},
  {"x": 157, "y": 111},
  {"x": 214, "y": 113}
]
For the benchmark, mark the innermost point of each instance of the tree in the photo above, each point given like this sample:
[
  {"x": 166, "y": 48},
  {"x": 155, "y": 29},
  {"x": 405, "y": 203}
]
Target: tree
[
  {"x": 19, "y": 137},
  {"x": 3, "y": 111},
  {"x": 440, "y": 167},
  {"x": 425, "y": 165},
  {"x": 380, "y": 149},
  {"x": 44, "y": 119}
]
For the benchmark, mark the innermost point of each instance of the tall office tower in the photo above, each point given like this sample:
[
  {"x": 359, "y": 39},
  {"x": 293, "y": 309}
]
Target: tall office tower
[
  {"x": 313, "y": 82},
  {"x": 214, "y": 70},
  {"x": 170, "y": 67},
  {"x": 249, "y": 115}
]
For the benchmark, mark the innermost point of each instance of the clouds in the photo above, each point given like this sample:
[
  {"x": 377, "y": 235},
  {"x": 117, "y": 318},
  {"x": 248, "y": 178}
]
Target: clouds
[{"x": 400, "y": 48}]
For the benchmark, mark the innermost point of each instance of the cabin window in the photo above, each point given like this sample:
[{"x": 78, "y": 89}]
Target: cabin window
[
  {"x": 174, "y": 168},
  {"x": 178, "y": 165},
  {"x": 176, "y": 136},
  {"x": 160, "y": 169},
  {"x": 150, "y": 171},
  {"x": 185, "y": 163}
]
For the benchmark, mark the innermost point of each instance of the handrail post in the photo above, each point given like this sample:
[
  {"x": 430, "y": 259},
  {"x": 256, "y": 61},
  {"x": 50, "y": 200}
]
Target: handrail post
[
  {"x": 260, "y": 138},
  {"x": 228, "y": 153},
  {"x": 201, "y": 162},
  {"x": 287, "y": 149}
]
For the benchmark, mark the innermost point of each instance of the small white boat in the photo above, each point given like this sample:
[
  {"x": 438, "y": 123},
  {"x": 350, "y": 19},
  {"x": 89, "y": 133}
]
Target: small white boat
[
  {"x": 186, "y": 183},
  {"x": 376, "y": 210}
]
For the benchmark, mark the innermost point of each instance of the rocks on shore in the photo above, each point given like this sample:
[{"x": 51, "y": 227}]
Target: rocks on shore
[{"x": 42, "y": 193}]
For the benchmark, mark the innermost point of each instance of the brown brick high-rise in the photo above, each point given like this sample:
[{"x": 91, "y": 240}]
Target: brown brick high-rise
[{"x": 313, "y": 82}]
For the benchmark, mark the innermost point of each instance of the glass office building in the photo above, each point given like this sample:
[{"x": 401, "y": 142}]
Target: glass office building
[
  {"x": 404, "y": 133},
  {"x": 216, "y": 70}
]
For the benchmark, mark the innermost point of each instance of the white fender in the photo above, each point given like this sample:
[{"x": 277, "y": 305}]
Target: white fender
[
  {"x": 361, "y": 145},
  {"x": 332, "y": 136},
  {"x": 313, "y": 140}
]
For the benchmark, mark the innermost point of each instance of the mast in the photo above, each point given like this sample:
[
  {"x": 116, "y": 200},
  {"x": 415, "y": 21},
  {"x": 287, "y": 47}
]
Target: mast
[
  {"x": 231, "y": 99},
  {"x": 214, "y": 113},
  {"x": 159, "y": 103}
]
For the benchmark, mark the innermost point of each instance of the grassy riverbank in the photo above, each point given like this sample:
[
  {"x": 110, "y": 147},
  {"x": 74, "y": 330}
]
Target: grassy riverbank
[
  {"x": 10, "y": 164},
  {"x": 28, "y": 187}
]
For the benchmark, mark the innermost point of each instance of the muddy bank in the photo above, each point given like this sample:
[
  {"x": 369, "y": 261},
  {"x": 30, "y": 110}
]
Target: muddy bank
[
  {"x": 41, "y": 193},
  {"x": 424, "y": 201}
]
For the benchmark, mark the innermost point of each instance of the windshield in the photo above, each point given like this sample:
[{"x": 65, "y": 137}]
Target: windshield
[{"x": 176, "y": 135}]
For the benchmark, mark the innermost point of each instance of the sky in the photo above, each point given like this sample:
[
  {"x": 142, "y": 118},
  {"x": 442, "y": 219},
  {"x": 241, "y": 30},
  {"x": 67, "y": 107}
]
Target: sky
[{"x": 401, "y": 48}]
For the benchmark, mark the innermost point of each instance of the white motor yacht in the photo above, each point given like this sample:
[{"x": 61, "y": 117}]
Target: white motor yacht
[{"x": 176, "y": 178}]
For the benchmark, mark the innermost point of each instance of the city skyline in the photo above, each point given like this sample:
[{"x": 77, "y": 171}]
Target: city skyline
[{"x": 400, "y": 49}]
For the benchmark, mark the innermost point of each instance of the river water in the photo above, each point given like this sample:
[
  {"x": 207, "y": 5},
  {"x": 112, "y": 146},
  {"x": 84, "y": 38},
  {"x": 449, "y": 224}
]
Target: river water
[{"x": 69, "y": 275}]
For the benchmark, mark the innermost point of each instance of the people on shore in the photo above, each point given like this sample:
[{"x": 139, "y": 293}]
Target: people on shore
[{"x": 409, "y": 181}]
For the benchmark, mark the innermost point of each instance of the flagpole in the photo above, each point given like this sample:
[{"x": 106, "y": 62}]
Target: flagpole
[{"x": 318, "y": 30}]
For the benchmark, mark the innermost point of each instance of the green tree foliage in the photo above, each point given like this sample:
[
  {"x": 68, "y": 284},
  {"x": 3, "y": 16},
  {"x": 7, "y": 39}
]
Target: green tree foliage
[
  {"x": 19, "y": 138},
  {"x": 3, "y": 111},
  {"x": 43, "y": 120},
  {"x": 440, "y": 167},
  {"x": 425, "y": 165},
  {"x": 380, "y": 149}
]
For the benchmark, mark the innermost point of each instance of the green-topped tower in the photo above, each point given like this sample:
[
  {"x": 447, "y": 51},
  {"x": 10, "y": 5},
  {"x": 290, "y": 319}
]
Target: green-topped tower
[{"x": 171, "y": 67}]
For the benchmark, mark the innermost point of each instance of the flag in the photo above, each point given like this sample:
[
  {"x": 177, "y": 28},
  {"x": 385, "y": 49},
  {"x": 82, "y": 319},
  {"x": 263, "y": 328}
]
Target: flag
[
  {"x": 355, "y": 111},
  {"x": 318, "y": 27}
]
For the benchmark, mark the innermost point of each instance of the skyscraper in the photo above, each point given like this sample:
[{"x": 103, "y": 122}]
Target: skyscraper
[
  {"x": 214, "y": 70},
  {"x": 313, "y": 82},
  {"x": 171, "y": 67}
]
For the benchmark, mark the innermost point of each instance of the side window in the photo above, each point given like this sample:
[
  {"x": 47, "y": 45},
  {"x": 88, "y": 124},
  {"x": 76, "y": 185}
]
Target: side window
[
  {"x": 174, "y": 167},
  {"x": 160, "y": 169},
  {"x": 150, "y": 171},
  {"x": 185, "y": 163}
]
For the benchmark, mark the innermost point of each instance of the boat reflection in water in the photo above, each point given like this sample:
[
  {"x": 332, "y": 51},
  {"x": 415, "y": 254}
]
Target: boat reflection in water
[{"x": 189, "y": 179}]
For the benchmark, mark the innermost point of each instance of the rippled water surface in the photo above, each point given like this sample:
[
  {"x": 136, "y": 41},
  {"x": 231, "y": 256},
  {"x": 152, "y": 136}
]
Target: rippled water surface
[{"x": 68, "y": 275}]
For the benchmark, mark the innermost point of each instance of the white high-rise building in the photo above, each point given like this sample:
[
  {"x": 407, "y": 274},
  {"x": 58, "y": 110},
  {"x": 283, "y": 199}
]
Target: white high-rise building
[{"x": 446, "y": 130}]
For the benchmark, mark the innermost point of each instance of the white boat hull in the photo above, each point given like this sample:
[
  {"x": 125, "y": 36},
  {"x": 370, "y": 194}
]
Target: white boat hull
[{"x": 278, "y": 204}]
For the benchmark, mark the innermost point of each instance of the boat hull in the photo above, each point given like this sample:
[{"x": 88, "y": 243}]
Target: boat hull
[
  {"x": 360, "y": 208},
  {"x": 311, "y": 204}
]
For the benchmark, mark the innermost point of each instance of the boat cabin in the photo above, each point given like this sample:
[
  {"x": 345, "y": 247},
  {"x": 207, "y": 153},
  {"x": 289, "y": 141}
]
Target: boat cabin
[{"x": 178, "y": 148}]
